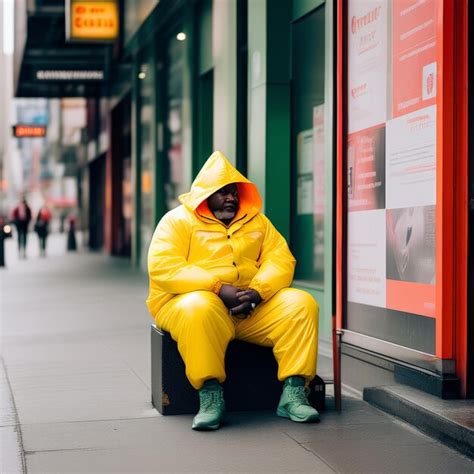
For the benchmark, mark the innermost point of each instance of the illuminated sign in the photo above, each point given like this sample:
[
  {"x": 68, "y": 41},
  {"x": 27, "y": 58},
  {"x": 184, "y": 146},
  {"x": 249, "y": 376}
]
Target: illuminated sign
[
  {"x": 92, "y": 21},
  {"x": 29, "y": 131},
  {"x": 69, "y": 75}
]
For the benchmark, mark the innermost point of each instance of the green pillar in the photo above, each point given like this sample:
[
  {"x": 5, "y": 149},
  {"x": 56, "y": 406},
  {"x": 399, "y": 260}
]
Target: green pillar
[{"x": 269, "y": 164}]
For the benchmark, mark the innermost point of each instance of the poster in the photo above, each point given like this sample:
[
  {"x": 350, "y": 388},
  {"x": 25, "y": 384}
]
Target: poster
[
  {"x": 319, "y": 201},
  {"x": 304, "y": 192},
  {"x": 367, "y": 64},
  {"x": 366, "y": 169},
  {"x": 366, "y": 270},
  {"x": 415, "y": 51},
  {"x": 411, "y": 159},
  {"x": 319, "y": 192}
]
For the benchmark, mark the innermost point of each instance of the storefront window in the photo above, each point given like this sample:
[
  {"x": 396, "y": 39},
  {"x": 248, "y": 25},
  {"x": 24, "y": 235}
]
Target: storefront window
[
  {"x": 391, "y": 151},
  {"x": 308, "y": 70},
  {"x": 147, "y": 155},
  {"x": 174, "y": 185}
]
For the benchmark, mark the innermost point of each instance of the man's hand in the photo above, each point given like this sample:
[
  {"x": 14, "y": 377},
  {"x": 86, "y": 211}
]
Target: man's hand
[
  {"x": 248, "y": 300},
  {"x": 228, "y": 295}
]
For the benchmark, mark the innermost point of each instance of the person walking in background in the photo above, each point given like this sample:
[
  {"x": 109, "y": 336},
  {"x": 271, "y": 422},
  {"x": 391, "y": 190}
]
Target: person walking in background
[
  {"x": 42, "y": 227},
  {"x": 71, "y": 234},
  {"x": 21, "y": 217}
]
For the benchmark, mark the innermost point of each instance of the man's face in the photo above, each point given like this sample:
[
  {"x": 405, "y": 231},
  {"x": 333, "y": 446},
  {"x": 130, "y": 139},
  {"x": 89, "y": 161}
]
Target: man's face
[{"x": 224, "y": 203}]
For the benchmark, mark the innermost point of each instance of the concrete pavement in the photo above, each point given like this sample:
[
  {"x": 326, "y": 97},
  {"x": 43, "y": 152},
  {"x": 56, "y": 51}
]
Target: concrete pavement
[{"x": 75, "y": 391}]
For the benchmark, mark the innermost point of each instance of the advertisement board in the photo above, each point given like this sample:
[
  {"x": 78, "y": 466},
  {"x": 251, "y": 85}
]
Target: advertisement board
[{"x": 391, "y": 170}]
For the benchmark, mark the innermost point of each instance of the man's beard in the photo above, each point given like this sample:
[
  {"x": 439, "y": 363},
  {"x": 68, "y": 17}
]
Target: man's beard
[{"x": 224, "y": 215}]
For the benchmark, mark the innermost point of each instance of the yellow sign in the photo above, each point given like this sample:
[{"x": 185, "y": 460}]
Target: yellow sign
[{"x": 93, "y": 20}]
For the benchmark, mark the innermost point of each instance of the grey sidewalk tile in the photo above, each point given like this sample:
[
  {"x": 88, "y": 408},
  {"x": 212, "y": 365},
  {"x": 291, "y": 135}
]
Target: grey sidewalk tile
[
  {"x": 10, "y": 451},
  {"x": 7, "y": 407},
  {"x": 146, "y": 431},
  {"x": 201, "y": 452},
  {"x": 387, "y": 432},
  {"x": 365, "y": 456},
  {"x": 246, "y": 443},
  {"x": 179, "y": 459},
  {"x": 429, "y": 414},
  {"x": 355, "y": 415}
]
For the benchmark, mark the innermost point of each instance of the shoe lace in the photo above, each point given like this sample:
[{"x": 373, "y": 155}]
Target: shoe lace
[
  {"x": 298, "y": 395},
  {"x": 208, "y": 398}
]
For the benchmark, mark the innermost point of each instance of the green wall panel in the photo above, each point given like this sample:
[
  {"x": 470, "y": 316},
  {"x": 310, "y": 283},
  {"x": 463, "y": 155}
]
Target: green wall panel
[{"x": 278, "y": 169}]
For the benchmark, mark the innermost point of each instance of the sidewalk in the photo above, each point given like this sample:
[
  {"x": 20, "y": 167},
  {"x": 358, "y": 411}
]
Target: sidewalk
[{"x": 75, "y": 396}]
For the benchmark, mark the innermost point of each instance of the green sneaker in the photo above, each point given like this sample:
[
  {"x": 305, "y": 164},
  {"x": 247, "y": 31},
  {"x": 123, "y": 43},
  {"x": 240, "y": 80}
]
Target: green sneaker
[
  {"x": 212, "y": 407},
  {"x": 294, "y": 402}
]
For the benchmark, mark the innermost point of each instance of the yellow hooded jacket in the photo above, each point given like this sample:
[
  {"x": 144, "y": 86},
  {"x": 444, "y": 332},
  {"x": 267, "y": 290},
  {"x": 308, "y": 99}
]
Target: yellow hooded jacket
[{"x": 192, "y": 250}]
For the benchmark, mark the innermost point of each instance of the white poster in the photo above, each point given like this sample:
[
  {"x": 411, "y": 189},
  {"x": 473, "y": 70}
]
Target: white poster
[
  {"x": 411, "y": 159},
  {"x": 367, "y": 64},
  {"x": 304, "y": 143},
  {"x": 305, "y": 172},
  {"x": 318, "y": 161},
  {"x": 366, "y": 262}
]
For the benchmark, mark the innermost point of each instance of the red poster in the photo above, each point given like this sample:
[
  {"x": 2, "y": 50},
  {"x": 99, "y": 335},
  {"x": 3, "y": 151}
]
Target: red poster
[
  {"x": 366, "y": 169},
  {"x": 415, "y": 50}
]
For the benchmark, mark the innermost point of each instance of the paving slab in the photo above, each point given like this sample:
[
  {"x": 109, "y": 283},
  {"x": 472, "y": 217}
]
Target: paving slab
[
  {"x": 450, "y": 421},
  {"x": 365, "y": 456},
  {"x": 167, "y": 444},
  {"x": 11, "y": 454},
  {"x": 12, "y": 458}
]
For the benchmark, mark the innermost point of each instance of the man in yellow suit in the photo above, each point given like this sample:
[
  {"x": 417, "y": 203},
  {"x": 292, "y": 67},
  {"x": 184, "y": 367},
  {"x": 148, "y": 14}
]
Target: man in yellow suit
[{"x": 220, "y": 270}]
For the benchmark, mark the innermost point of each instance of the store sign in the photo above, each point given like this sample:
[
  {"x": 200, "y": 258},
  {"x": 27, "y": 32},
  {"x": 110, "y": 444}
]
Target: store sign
[
  {"x": 82, "y": 75},
  {"x": 92, "y": 21},
  {"x": 29, "y": 131}
]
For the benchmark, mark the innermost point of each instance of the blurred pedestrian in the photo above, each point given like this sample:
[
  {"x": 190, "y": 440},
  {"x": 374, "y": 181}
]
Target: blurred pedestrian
[
  {"x": 42, "y": 227},
  {"x": 62, "y": 222},
  {"x": 21, "y": 217},
  {"x": 71, "y": 235}
]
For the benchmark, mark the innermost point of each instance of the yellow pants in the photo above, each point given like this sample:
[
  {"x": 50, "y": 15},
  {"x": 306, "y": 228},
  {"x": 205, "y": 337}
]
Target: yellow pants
[{"x": 202, "y": 327}]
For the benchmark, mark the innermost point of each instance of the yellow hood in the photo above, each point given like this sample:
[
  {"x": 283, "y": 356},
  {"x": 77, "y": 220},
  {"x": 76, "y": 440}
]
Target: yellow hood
[{"x": 216, "y": 173}]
